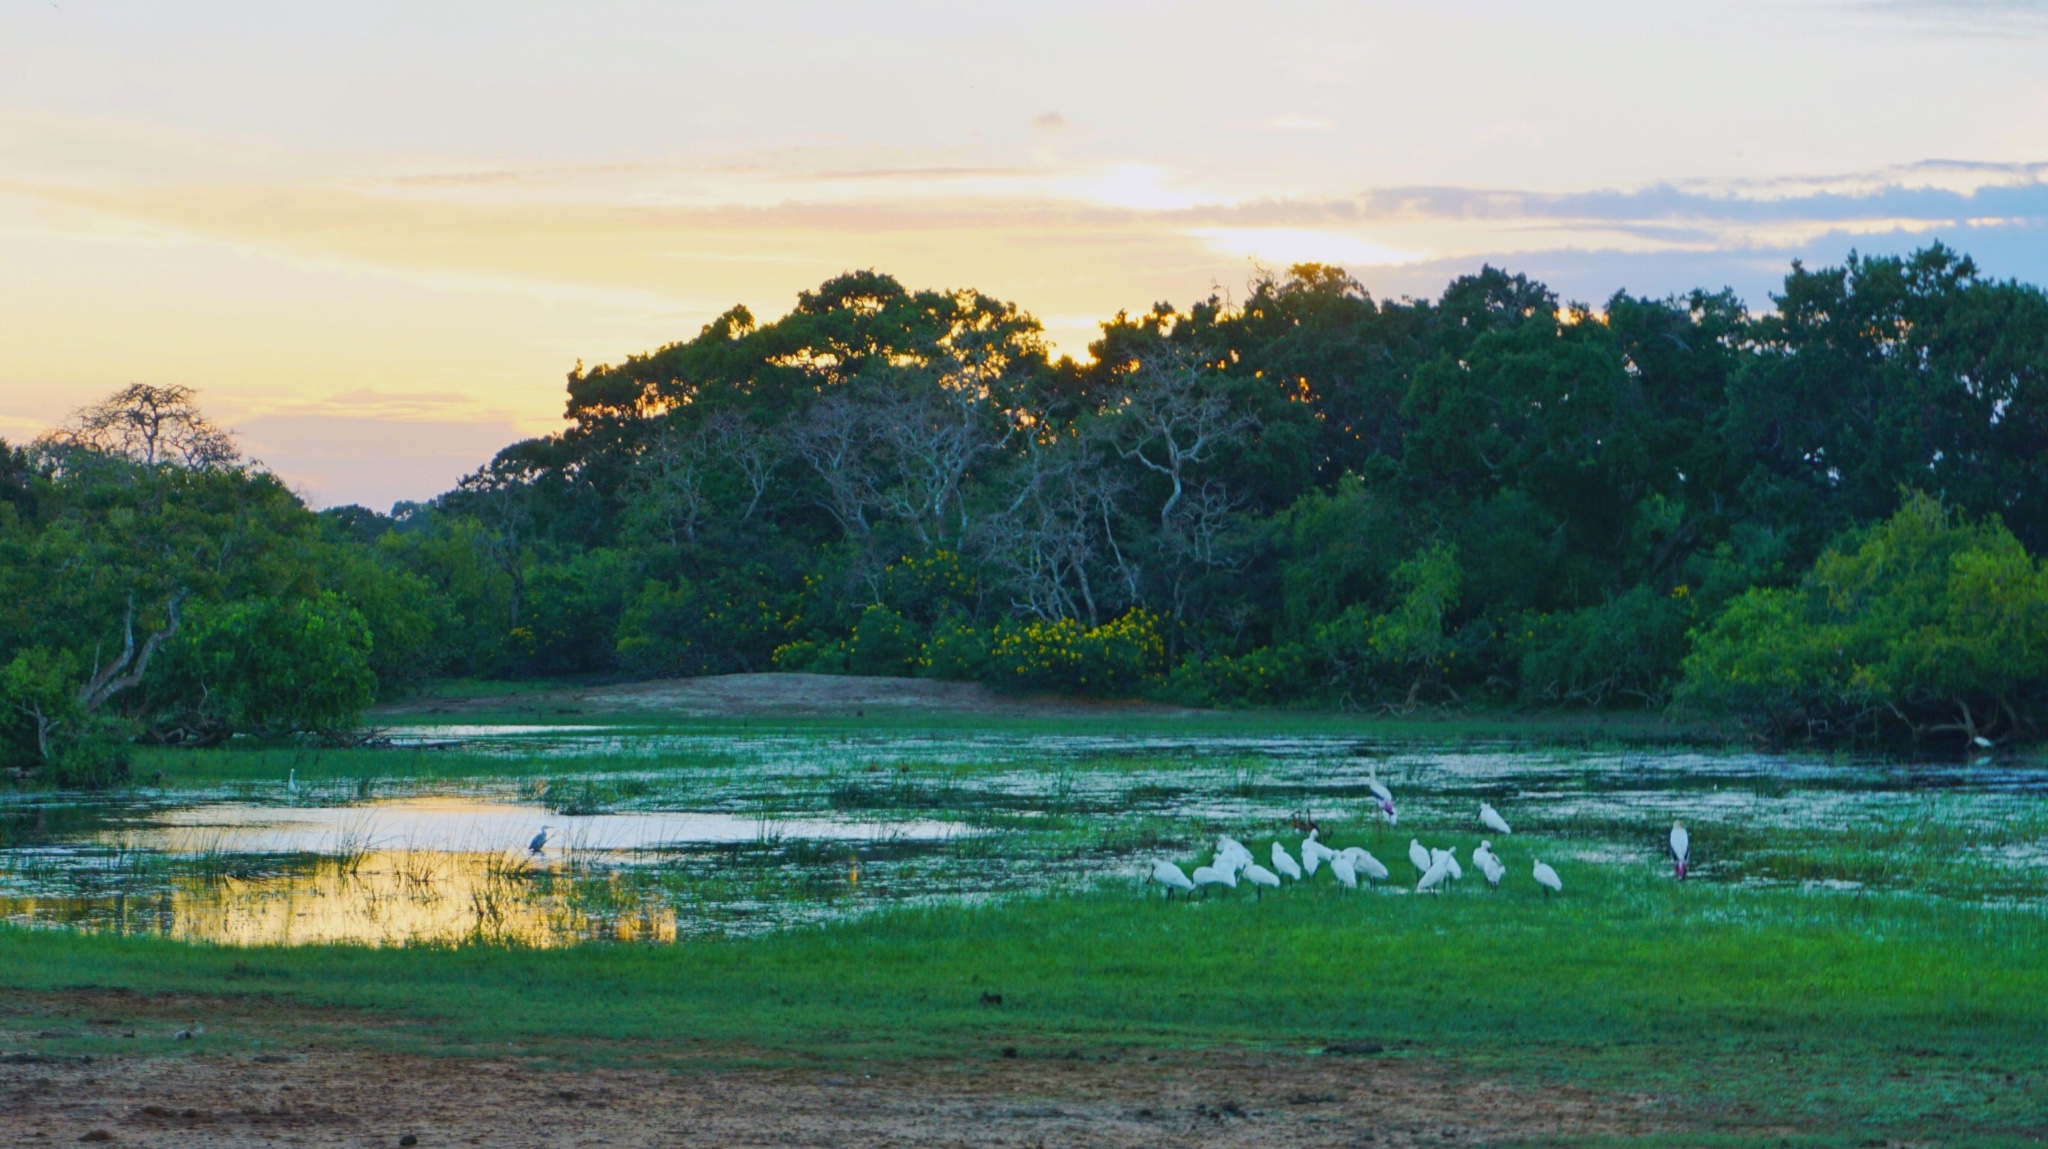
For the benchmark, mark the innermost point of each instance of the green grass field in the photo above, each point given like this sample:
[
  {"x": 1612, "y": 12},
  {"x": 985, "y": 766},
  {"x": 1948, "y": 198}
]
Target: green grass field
[
  {"x": 1744, "y": 1013},
  {"x": 1861, "y": 962}
]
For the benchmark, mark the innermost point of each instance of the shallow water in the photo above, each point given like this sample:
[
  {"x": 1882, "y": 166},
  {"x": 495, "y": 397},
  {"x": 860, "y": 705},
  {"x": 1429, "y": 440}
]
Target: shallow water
[{"x": 657, "y": 834}]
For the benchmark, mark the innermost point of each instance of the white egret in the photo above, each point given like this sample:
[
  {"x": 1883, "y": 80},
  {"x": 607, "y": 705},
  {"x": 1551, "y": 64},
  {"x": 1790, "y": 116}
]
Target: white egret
[
  {"x": 1489, "y": 864},
  {"x": 1285, "y": 863},
  {"x": 1492, "y": 820},
  {"x": 1367, "y": 865},
  {"x": 1229, "y": 847},
  {"x": 1212, "y": 876},
  {"x": 1346, "y": 876},
  {"x": 1314, "y": 853},
  {"x": 291, "y": 781},
  {"x": 1439, "y": 869},
  {"x": 1259, "y": 875},
  {"x": 1548, "y": 879},
  {"x": 1169, "y": 875},
  {"x": 1681, "y": 848},
  {"x": 1450, "y": 861},
  {"x": 1418, "y": 856},
  {"x": 539, "y": 841}
]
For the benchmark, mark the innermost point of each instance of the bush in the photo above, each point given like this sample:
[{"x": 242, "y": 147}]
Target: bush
[
  {"x": 1630, "y": 646},
  {"x": 266, "y": 667},
  {"x": 1069, "y": 655},
  {"x": 884, "y": 643},
  {"x": 45, "y": 734},
  {"x": 689, "y": 628},
  {"x": 1261, "y": 677},
  {"x": 1923, "y": 625}
]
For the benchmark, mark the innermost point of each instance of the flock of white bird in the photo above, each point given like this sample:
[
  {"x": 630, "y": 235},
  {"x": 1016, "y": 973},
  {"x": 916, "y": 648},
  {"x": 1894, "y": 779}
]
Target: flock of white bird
[{"x": 1234, "y": 862}]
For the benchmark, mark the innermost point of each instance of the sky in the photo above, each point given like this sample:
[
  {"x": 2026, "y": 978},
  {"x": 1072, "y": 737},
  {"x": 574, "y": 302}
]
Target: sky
[{"x": 376, "y": 236}]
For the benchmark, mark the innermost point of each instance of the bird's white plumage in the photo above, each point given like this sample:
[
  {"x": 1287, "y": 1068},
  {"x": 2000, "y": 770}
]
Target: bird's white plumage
[
  {"x": 1434, "y": 876},
  {"x": 1314, "y": 853},
  {"x": 1261, "y": 876},
  {"x": 1285, "y": 863},
  {"x": 1547, "y": 878},
  {"x": 1419, "y": 856},
  {"x": 1368, "y": 866},
  {"x": 1171, "y": 876},
  {"x": 1379, "y": 791},
  {"x": 1346, "y": 876},
  {"x": 1681, "y": 843},
  {"x": 1211, "y": 876},
  {"x": 1450, "y": 861},
  {"x": 1489, "y": 864},
  {"x": 1491, "y": 819}
]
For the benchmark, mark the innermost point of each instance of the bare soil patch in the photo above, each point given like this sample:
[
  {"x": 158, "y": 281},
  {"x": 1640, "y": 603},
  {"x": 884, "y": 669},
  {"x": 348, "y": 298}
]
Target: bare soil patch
[
  {"x": 773, "y": 695},
  {"x": 365, "y": 1098}
]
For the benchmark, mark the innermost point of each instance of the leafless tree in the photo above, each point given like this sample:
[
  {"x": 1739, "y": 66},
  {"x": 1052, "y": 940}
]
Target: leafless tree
[
  {"x": 150, "y": 425},
  {"x": 1056, "y": 529},
  {"x": 670, "y": 477},
  {"x": 1171, "y": 417},
  {"x": 833, "y": 439},
  {"x": 753, "y": 453},
  {"x": 933, "y": 431}
]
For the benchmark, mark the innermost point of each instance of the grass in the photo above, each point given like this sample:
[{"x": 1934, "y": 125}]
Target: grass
[
  {"x": 1913, "y": 1007},
  {"x": 1746, "y": 1011}
]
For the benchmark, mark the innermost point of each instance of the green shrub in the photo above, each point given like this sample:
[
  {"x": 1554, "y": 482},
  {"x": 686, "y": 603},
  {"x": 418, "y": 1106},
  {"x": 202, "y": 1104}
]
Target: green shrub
[
  {"x": 1069, "y": 655},
  {"x": 1268, "y": 675},
  {"x": 267, "y": 667},
  {"x": 688, "y": 628},
  {"x": 1629, "y": 647},
  {"x": 1924, "y": 625},
  {"x": 884, "y": 643}
]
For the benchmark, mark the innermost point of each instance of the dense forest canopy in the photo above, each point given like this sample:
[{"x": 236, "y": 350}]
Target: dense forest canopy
[{"x": 1309, "y": 497}]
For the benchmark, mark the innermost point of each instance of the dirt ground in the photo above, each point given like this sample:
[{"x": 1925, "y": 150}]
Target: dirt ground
[
  {"x": 254, "y": 1071},
  {"x": 358, "y": 1098},
  {"x": 762, "y": 695}
]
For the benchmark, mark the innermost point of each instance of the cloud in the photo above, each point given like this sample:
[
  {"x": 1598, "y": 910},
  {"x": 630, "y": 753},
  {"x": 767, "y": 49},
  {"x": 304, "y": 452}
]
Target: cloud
[
  {"x": 1964, "y": 17},
  {"x": 1048, "y": 121},
  {"x": 1285, "y": 246}
]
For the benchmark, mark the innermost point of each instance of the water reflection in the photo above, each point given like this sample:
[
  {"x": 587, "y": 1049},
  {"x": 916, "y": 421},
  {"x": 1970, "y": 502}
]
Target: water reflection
[
  {"x": 656, "y": 835},
  {"x": 469, "y": 825},
  {"x": 384, "y": 897}
]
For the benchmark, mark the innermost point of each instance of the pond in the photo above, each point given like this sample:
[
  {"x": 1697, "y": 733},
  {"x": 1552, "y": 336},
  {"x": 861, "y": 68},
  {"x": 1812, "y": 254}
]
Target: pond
[{"x": 655, "y": 834}]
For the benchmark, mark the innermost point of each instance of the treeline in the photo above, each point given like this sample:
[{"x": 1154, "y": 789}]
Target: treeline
[{"x": 1309, "y": 497}]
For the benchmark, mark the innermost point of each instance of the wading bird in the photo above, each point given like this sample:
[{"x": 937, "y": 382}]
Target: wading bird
[
  {"x": 1284, "y": 863},
  {"x": 1314, "y": 854},
  {"x": 1432, "y": 878},
  {"x": 539, "y": 841},
  {"x": 1681, "y": 848},
  {"x": 1215, "y": 876},
  {"x": 291, "y": 781},
  {"x": 1418, "y": 856},
  {"x": 1365, "y": 865},
  {"x": 1347, "y": 877},
  {"x": 1259, "y": 875},
  {"x": 1450, "y": 861},
  {"x": 1548, "y": 879},
  {"x": 1489, "y": 864},
  {"x": 1385, "y": 796},
  {"x": 1169, "y": 875},
  {"x": 1491, "y": 819}
]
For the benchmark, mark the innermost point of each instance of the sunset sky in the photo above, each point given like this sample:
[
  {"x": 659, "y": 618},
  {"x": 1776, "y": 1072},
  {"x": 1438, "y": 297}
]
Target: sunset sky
[{"x": 377, "y": 235}]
